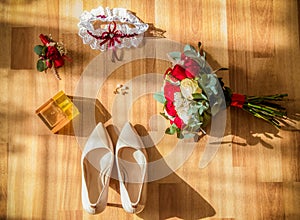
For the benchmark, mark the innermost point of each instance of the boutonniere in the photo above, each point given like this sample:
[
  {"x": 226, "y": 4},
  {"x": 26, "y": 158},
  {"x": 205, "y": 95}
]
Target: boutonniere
[{"x": 51, "y": 54}]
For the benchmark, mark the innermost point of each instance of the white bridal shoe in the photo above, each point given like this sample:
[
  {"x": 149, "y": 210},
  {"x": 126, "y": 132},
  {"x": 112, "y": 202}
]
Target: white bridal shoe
[
  {"x": 96, "y": 164},
  {"x": 131, "y": 161}
]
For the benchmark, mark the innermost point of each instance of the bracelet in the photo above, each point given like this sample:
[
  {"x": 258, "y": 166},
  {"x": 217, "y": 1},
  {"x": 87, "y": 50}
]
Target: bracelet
[{"x": 108, "y": 28}]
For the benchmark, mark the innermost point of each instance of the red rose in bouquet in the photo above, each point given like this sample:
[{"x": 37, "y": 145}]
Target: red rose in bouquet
[
  {"x": 192, "y": 68},
  {"x": 178, "y": 72},
  {"x": 170, "y": 108},
  {"x": 178, "y": 122},
  {"x": 169, "y": 91}
]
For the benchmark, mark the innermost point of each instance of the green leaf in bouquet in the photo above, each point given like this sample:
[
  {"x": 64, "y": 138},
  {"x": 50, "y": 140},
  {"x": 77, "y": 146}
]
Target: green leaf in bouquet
[
  {"x": 199, "y": 96},
  {"x": 201, "y": 118},
  {"x": 160, "y": 97},
  {"x": 209, "y": 83},
  {"x": 188, "y": 135},
  {"x": 189, "y": 47},
  {"x": 205, "y": 119},
  {"x": 180, "y": 135},
  {"x": 38, "y": 49},
  {"x": 168, "y": 131},
  {"x": 41, "y": 65},
  {"x": 193, "y": 109},
  {"x": 201, "y": 109},
  {"x": 164, "y": 115},
  {"x": 227, "y": 94},
  {"x": 194, "y": 127},
  {"x": 204, "y": 102},
  {"x": 193, "y": 55},
  {"x": 193, "y": 124},
  {"x": 171, "y": 130},
  {"x": 175, "y": 55}
]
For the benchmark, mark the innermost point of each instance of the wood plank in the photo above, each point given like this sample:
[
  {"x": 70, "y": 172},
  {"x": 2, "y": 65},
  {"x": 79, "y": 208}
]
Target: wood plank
[
  {"x": 238, "y": 55},
  {"x": 270, "y": 200},
  {"x": 145, "y": 12},
  {"x": 4, "y": 122},
  {"x": 287, "y": 37},
  {"x": 76, "y": 215},
  {"x": 152, "y": 208},
  {"x": 245, "y": 193},
  {"x": 22, "y": 45},
  {"x": 262, "y": 19},
  {"x": 291, "y": 157},
  {"x": 166, "y": 18},
  {"x": 3, "y": 180},
  {"x": 5, "y": 43},
  {"x": 291, "y": 193},
  {"x": 298, "y": 4},
  {"x": 179, "y": 200}
]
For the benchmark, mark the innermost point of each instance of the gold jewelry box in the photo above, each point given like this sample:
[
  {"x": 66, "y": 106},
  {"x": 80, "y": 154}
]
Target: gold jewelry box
[{"x": 57, "y": 112}]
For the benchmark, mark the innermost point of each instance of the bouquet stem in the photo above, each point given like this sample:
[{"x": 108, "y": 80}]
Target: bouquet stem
[{"x": 261, "y": 107}]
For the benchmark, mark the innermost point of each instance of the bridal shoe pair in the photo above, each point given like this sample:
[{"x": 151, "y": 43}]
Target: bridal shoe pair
[{"x": 97, "y": 162}]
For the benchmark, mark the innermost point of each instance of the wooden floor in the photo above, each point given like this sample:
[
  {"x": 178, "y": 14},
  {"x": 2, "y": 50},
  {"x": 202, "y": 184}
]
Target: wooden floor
[{"x": 256, "y": 172}]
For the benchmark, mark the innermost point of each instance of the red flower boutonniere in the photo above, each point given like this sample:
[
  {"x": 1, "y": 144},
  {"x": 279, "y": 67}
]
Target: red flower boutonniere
[{"x": 51, "y": 54}]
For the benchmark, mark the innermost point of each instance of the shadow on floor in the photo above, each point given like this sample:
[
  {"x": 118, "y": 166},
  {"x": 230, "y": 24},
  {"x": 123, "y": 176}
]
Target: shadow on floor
[
  {"x": 254, "y": 130},
  {"x": 167, "y": 197},
  {"x": 85, "y": 122}
]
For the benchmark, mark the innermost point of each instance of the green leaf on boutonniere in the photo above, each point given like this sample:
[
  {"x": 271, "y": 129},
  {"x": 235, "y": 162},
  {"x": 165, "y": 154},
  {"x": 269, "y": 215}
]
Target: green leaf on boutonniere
[
  {"x": 160, "y": 97},
  {"x": 38, "y": 49},
  {"x": 41, "y": 65},
  {"x": 45, "y": 48}
]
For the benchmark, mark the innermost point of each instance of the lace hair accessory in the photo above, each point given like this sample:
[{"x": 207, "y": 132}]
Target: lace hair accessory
[{"x": 113, "y": 28}]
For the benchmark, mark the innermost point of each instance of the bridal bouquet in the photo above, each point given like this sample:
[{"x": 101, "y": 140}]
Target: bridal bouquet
[{"x": 192, "y": 93}]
